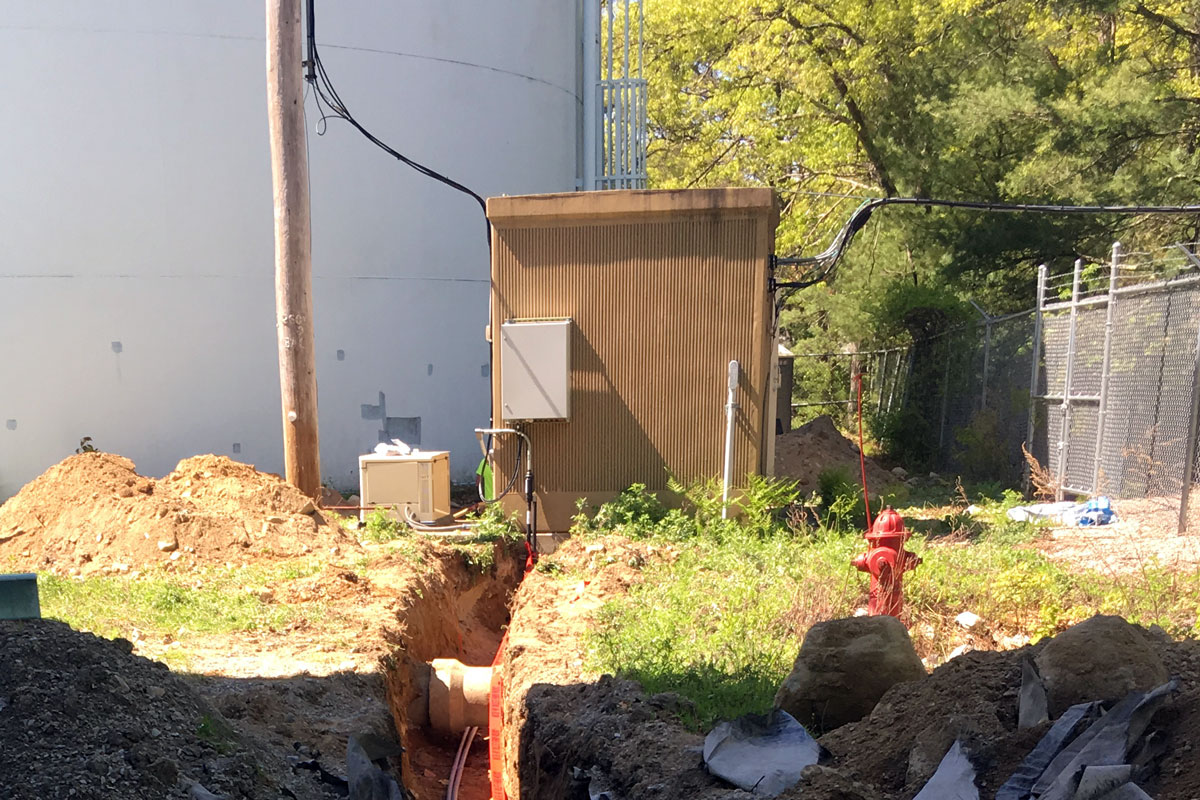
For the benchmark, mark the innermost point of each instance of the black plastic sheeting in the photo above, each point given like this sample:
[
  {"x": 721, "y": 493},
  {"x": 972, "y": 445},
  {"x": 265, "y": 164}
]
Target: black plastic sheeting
[
  {"x": 954, "y": 778},
  {"x": 761, "y": 753},
  {"x": 1088, "y": 754},
  {"x": 1094, "y": 764}
]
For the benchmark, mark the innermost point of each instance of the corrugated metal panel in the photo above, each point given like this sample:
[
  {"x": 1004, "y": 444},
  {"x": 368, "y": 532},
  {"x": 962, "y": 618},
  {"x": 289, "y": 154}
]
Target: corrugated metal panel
[{"x": 664, "y": 288}]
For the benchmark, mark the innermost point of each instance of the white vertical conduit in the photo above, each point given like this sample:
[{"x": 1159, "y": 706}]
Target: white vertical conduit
[
  {"x": 731, "y": 407},
  {"x": 615, "y": 135},
  {"x": 591, "y": 93},
  {"x": 609, "y": 119}
]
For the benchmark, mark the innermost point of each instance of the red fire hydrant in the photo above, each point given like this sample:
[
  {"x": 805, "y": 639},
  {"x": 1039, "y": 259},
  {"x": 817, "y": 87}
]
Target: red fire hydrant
[{"x": 886, "y": 561}]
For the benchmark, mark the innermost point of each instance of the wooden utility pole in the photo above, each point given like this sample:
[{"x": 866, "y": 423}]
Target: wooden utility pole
[{"x": 293, "y": 246}]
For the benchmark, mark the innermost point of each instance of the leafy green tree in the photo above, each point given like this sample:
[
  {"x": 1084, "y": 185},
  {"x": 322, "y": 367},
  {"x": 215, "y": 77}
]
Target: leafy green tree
[{"x": 1076, "y": 101}]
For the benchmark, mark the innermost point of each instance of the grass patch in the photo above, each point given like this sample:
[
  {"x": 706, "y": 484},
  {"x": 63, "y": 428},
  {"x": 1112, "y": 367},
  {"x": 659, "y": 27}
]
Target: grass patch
[
  {"x": 722, "y": 624},
  {"x": 218, "y": 600},
  {"x": 218, "y": 733}
]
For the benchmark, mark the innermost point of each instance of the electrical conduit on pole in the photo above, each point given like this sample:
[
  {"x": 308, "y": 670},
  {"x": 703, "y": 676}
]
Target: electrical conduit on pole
[{"x": 731, "y": 407}]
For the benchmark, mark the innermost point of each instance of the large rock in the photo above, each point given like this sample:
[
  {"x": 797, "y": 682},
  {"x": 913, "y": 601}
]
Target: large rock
[
  {"x": 844, "y": 667},
  {"x": 1103, "y": 658}
]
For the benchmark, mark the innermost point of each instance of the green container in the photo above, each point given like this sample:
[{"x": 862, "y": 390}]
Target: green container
[{"x": 19, "y": 596}]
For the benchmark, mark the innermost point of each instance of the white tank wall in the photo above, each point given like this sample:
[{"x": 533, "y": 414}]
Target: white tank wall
[{"x": 136, "y": 245}]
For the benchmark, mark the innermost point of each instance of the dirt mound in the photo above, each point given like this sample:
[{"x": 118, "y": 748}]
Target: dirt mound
[
  {"x": 981, "y": 685},
  {"x": 81, "y": 716},
  {"x": 93, "y": 511},
  {"x": 804, "y": 453},
  {"x": 580, "y": 731}
]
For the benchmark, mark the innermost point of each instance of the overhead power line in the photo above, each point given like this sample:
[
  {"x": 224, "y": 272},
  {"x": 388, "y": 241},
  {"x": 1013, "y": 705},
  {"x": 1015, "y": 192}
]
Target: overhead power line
[
  {"x": 327, "y": 97},
  {"x": 824, "y": 262}
]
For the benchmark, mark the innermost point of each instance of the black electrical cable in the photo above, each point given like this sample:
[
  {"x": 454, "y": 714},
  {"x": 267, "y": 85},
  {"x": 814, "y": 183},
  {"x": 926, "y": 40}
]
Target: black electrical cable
[
  {"x": 826, "y": 260},
  {"x": 326, "y": 94},
  {"x": 512, "y": 479}
]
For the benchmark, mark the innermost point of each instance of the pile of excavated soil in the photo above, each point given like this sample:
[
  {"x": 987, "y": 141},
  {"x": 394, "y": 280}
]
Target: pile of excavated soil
[
  {"x": 804, "y": 453},
  {"x": 580, "y": 731},
  {"x": 82, "y": 717},
  {"x": 983, "y": 686},
  {"x": 93, "y": 511}
]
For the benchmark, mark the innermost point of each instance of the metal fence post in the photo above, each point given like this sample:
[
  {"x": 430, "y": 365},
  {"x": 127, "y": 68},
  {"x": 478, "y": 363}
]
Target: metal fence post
[
  {"x": 1065, "y": 429},
  {"x": 895, "y": 379},
  {"x": 904, "y": 394},
  {"x": 987, "y": 352},
  {"x": 883, "y": 364},
  {"x": 1035, "y": 363},
  {"x": 1189, "y": 461},
  {"x": 1102, "y": 411},
  {"x": 945, "y": 397}
]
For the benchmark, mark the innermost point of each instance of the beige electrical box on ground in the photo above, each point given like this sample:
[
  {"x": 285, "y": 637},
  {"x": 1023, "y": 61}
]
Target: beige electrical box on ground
[
  {"x": 535, "y": 369},
  {"x": 420, "y": 481}
]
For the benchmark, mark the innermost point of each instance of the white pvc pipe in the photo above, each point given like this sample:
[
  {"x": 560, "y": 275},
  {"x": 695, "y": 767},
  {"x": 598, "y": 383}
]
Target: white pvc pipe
[
  {"x": 731, "y": 407},
  {"x": 591, "y": 99}
]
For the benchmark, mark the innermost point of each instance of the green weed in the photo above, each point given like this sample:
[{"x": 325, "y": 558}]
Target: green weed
[
  {"x": 381, "y": 526},
  {"x": 218, "y": 733}
]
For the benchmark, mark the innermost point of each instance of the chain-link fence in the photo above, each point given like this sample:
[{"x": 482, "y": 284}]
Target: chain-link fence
[
  {"x": 1122, "y": 335},
  {"x": 1117, "y": 385}
]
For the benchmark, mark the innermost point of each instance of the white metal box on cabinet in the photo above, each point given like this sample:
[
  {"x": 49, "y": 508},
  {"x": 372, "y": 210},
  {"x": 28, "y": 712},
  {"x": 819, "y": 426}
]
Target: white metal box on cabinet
[
  {"x": 535, "y": 369},
  {"x": 420, "y": 481}
]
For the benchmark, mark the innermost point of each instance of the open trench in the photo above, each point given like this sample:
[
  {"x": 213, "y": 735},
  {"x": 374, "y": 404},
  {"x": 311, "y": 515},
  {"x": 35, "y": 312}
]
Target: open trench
[
  {"x": 566, "y": 732},
  {"x": 455, "y": 611}
]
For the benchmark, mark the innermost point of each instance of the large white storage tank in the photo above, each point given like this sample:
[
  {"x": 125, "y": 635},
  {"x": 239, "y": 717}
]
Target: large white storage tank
[{"x": 136, "y": 250}]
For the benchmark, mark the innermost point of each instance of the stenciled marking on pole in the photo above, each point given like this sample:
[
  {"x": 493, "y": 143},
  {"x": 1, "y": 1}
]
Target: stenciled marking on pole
[{"x": 296, "y": 323}]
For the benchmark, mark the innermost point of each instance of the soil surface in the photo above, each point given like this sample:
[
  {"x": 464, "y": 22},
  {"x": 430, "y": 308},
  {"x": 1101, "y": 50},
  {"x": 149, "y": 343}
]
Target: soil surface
[
  {"x": 266, "y": 713},
  {"x": 1146, "y": 535},
  {"x": 257, "y": 713},
  {"x": 804, "y": 453},
  {"x": 83, "y": 717},
  {"x": 94, "y": 512}
]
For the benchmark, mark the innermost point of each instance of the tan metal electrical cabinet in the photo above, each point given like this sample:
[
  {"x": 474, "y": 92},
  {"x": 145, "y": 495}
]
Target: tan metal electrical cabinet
[
  {"x": 663, "y": 290},
  {"x": 535, "y": 369},
  {"x": 420, "y": 481}
]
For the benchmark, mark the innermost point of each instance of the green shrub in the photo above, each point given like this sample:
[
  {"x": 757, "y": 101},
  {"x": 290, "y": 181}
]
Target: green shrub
[
  {"x": 841, "y": 499},
  {"x": 491, "y": 525},
  {"x": 977, "y": 452},
  {"x": 760, "y": 509},
  {"x": 635, "y": 513},
  {"x": 383, "y": 527},
  {"x": 907, "y": 436}
]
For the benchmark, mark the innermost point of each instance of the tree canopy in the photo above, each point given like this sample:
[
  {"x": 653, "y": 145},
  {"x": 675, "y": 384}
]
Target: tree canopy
[{"x": 1067, "y": 101}]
